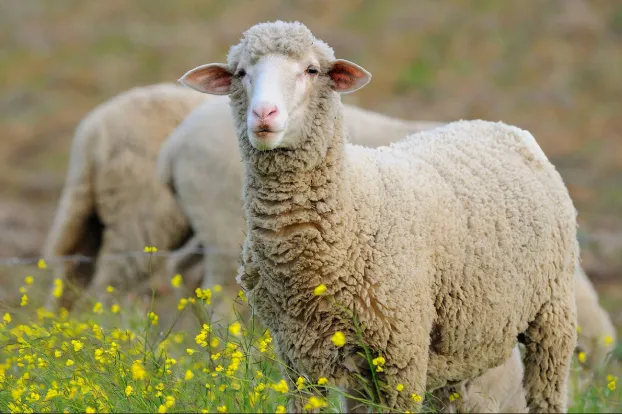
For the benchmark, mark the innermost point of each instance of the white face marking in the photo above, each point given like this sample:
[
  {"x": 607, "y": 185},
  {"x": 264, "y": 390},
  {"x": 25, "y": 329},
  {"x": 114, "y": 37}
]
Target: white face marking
[{"x": 277, "y": 88}]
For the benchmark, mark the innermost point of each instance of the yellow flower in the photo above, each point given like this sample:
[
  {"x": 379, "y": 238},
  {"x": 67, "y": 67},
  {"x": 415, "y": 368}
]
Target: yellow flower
[
  {"x": 58, "y": 288},
  {"x": 98, "y": 308},
  {"x": 235, "y": 328},
  {"x": 189, "y": 375},
  {"x": 169, "y": 401},
  {"x": 110, "y": 289},
  {"x": 153, "y": 317},
  {"x": 300, "y": 383},
  {"x": 7, "y": 317},
  {"x": 322, "y": 381},
  {"x": 90, "y": 410},
  {"x": 338, "y": 339},
  {"x": 612, "y": 385},
  {"x": 29, "y": 280},
  {"x": 137, "y": 370},
  {"x": 150, "y": 249},
  {"x": 378, "y": 363},
  {"x": 128, "y": 390},
  {"x": 41, "y": 264},
  {"x": 190, "y": 351},
  {"x": 69, "y": 362},
  {"x": 399, "y": 387},
  {"x": 161, "y": 409},
  {"x": 416, "y": 397},
  {"x": 319, "y": 290},
  {"x": 204, "y": 294},
  {"x": 315, "y": 403},
  {"x": 24, "y": 301},
  {"x": 217, "y": 288},
  {"x": 454, "y": 396},
  {"x": 176, "y": 281},
  {"x": 115, "y": 308},
  {"x": 582, "y": 357},
  {"x": 221, "y": 409},
  {"x": 182, "y": 303},
  {"x": 280, "y": 409},
  {"x": 611, "y": 378},
  {"x": 579, "y": 329},
  {"x": 281, "y": 387},
  {"x": 214, "y": 342},
  {"x": 58, "y": 353},
  {"x": 77, "y": 345},
  {"x": 608, "y": 340},
  {"x": 51, "y": 394}
]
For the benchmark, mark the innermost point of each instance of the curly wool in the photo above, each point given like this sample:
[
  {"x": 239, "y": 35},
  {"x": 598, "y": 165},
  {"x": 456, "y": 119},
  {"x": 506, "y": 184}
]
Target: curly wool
[
  {"x": 289, "y": 39},
  {"x": 446, "y": 246},
  {"x": 111, "y": 203}
]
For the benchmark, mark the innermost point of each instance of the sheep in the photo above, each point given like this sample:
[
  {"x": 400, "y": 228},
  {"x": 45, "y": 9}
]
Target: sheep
[
  {"x": 498, "y": 390},
  {"x": 208, "y": 194},
  {"x": 201, "y": 165},
  {"x": 442, "y": 250},
  {"x": 112, "y": 202},
  {"x": 190, "y": 162},
  {"x": 596, "y": 333}
]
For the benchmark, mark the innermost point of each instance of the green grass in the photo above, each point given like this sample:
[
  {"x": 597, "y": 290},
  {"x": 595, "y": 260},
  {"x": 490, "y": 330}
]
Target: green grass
[{"x": 120, "y": 358}]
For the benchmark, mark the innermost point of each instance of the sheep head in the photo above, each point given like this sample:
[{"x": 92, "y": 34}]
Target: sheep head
[{"x": 276, "y": 75}]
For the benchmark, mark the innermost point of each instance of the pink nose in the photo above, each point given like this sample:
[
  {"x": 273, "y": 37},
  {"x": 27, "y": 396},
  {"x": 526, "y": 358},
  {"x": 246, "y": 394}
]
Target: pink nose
[{"x": 265, "y": 112}]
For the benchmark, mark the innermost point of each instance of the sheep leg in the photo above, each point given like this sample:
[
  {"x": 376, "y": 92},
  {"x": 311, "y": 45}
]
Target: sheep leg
[
  {"x": 119, "y": 270},
  {"x": 76, "y": 275},
  {"x": 549, "y": 343},
  {"x": 295, "y": 403},
  {"x": 189, "y": 263},
  {"x": 355, "y": 406},
  {"x": 413, "y": 378}
]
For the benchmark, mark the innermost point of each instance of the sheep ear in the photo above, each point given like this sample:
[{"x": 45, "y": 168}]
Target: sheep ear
[
  {"x": 347, "y": 76},
  {"x": 214, "y": 79}
]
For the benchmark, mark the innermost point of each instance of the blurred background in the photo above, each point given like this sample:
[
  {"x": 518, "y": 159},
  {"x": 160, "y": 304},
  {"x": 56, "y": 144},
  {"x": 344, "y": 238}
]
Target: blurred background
[{"x": 553, "y": 67}]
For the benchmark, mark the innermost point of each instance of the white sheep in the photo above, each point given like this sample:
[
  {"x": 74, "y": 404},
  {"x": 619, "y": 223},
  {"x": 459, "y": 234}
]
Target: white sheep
[
  {"x": 208, "y": 194},
  {"x": 112, "y": 202},
  {"x": 446, "y": 247},
  {"x": 597, "y": 335},
  {"x": 191, "y": 162}
]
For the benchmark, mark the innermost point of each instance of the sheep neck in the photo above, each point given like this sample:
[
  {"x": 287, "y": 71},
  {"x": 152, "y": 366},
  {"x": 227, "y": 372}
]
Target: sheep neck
[{"x": 297, "y": 219}]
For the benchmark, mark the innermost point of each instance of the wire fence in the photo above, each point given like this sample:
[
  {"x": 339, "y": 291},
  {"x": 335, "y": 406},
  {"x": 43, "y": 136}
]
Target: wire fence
[{"x": 34, "y": 260}]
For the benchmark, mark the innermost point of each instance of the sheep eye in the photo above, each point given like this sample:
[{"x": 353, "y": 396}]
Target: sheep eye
[
  {"x": 311, "y": 70},
  {"x": 241, "y": 73}
]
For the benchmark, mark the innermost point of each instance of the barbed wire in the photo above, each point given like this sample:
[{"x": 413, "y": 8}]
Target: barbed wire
[{"x": 51, "y": 260}]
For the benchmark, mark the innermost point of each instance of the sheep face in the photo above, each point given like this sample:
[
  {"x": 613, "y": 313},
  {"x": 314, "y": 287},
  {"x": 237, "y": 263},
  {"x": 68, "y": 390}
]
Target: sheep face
[{"x": 275, "y": 74}]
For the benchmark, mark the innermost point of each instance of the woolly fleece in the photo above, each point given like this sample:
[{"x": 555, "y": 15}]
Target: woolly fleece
[
  {"x": 594, "y": 322},
  {"x": 446, "y": 246},
  {"x": 498, "y": 390},
  {"x": 111, "y": 203}
]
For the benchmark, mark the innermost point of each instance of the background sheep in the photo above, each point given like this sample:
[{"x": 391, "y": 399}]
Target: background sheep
[
  {"x": 304, "y": 204},
  {"x": 111, "y": 202},
  {"x": 596, "y": 334}
]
